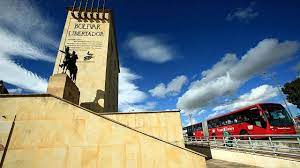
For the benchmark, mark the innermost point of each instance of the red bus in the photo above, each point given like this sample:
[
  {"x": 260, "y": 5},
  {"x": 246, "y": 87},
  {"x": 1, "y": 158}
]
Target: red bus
[{"x": 257, "y": 119}]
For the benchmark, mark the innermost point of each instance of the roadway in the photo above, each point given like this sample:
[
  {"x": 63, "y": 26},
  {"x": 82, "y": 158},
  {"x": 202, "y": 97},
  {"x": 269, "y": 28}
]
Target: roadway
[{"x": 214, "y": 163}]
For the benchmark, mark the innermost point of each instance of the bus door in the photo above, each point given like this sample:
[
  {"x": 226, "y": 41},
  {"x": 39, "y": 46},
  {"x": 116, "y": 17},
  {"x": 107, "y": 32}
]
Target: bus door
[{"x": 257, "y": 120}]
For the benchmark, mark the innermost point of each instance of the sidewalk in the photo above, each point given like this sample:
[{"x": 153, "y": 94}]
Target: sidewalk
[{"x": 213, "y": 163}]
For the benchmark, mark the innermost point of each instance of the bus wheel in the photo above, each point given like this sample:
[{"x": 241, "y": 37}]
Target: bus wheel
[{"x": 244, "y": 132}]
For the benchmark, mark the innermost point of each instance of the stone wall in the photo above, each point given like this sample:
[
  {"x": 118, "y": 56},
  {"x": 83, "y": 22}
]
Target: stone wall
[
  {"x": 164, "y": 125},
  {"x": 62, "y": 86},
  {"x": 50, "y": 132}
]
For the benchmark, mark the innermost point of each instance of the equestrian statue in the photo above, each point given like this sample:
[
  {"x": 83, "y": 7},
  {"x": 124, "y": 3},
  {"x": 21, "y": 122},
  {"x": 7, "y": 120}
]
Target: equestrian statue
[{"x": 69, "y": 63}]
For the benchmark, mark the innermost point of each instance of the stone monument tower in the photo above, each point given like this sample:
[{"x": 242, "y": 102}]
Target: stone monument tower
[{"x": 90, "y": 33}]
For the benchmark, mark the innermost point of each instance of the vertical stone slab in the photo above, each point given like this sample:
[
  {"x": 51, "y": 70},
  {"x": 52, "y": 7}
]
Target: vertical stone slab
[
  {"x": 62, "y": 86},
  {"x": 163, "y": 125},
  {"x": 5, "y": 127}
]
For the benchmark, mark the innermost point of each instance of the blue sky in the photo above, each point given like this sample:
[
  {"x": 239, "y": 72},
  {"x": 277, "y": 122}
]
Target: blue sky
[{"x": 203, "y": 57}]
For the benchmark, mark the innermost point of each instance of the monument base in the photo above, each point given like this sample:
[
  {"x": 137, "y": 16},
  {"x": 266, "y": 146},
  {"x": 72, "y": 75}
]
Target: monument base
[
  {"x": 49, "y": 132},
  {"x": 62, "y": 86}
]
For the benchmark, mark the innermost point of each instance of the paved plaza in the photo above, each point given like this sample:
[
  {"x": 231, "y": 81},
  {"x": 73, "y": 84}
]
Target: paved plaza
[{"x": 214, "y": 163}]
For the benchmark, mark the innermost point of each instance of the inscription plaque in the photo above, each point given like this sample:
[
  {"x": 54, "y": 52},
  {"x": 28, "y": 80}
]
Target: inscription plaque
[{"x": 85, "y": 38}]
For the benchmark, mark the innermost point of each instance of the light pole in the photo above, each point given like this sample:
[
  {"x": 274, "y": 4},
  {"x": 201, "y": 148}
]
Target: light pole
[
  {"x": 191, "y": 118},
  {"x": 280, "y": 92}
]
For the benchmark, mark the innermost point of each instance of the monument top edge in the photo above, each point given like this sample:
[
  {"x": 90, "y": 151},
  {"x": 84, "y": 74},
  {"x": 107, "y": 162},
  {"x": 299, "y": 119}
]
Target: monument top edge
[{"x": 89, "y": 9}]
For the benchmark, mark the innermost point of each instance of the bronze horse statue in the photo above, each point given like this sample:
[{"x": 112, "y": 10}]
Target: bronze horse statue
[
  {"x": 72, "y": 67},
  {"x": 69, "y": 63},
  {"x": 67, "y": 58}
]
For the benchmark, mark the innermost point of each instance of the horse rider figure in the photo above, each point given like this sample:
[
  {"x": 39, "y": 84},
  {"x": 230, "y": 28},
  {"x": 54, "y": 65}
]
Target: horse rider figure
[
  {"x": 67, "y": 58},
  {"x": 72, "y": 67},
  {"x": 69, "y": 63}
]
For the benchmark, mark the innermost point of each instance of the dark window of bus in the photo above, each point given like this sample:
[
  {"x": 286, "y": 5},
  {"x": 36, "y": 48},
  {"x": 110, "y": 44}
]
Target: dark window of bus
[
  {"x": 199, "y": 127},
  {"x": 224, "y": 121},
  {"x": 256, "y": 118},
  {"x": 209, "y": 124},
  {"x": 216, "y": 123},
  {"x": 190, "y": 130},
  {"x": 230, "y": 119},
  {"x": 212, "y": 123},
  {"x": 277, "y": 115}
]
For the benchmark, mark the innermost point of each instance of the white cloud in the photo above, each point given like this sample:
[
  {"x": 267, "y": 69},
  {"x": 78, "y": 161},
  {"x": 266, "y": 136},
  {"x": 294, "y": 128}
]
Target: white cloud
[
  {"x": 15, "y": 90},
  {"x": 256, "y": 95},
  {"x": 259, "y": 94},
  {"x": 214, "y": 85},
  {"x": 24, "y": 32},
  {"x": 13, "y": 45},
  {"x": 131, "y": 98},
  {"x": 220, "y": 68},
  {"x": 129, "y": 93},
  {"x": 188, "y": 121},
  {"x": 170, "y": 109},
  {"x": 148, "y": 106},
  {"x": 288, "y": 105},
  {"x": 243, "y": 14},
  {"x": 171, "y": 89},
  {"x": 192, "y": 121},
  {"x": 268, "y": 52},
  {"x": 24, "y": 18},
  {"x": 212, "y": 115},
  {"x": 200, "y": 94},
  {"x": 151, "y": 48},
  {"x": 14, "y": 74}
]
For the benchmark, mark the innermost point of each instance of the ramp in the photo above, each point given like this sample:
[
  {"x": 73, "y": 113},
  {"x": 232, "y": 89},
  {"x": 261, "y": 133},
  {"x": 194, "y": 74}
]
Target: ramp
[{"x": 51, "y": 132}]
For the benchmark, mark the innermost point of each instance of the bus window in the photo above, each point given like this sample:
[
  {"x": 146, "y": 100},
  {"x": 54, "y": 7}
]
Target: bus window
[
  {"x": 230, "y": 120},
  {"x": 245, "y": 118},
  {"x": 198, "y": 127},
  {"x": 221, "y": 122},
  {"x": 255, "y": 118},
  {"x": 209, "y": 124},
  {"x": 224, "y": 121},
  {"x": 277, "y": 115},
  {"x": 213, "y": 123},
  {"x": 217, "y": 123},
  {"x": 235, "y": 118}
]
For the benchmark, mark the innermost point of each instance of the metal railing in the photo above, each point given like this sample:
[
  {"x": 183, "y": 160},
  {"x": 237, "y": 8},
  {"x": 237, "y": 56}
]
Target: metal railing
[{"x": 278, "y": 145}]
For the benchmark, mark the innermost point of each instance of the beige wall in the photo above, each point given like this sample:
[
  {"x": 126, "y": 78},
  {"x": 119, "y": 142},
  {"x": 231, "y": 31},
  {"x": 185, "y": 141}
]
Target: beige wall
[
  {"x": 254, "y": 159},
  {"x": 54, "y": 133},
  {"x": 92, "y": 74},
  {"x": 163, "y": 125},
  {"x": 5, "y": 127}
]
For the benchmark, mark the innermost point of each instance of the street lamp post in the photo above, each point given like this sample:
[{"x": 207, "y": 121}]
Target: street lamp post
[
  {"x": 281, "y": 94},
  {"x": 191, "y": 118},
  {"x": 280, "y": 91}
]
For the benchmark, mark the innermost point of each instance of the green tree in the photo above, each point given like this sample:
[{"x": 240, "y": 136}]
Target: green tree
[{"x": 292, "y": 90}]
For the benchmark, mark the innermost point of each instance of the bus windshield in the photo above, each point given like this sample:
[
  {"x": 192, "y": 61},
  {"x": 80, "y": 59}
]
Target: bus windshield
[{"x": 277, "y": 115}]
